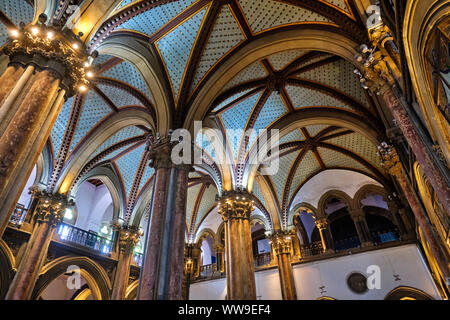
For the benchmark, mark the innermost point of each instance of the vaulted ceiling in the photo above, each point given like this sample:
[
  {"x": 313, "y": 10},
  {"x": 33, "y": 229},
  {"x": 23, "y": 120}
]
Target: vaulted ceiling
[{"x": 191, "y": 40}]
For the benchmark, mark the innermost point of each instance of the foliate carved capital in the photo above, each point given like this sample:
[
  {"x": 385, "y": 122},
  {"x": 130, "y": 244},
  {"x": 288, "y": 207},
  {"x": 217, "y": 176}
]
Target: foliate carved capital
[
  {"x": 52, "y": 49},
  {"x": 51, "y": 207},
  {"x": 235, "y": 205},
  {"x": 322, "y": 224},
  {"x": 390, "y": 160},
  {"x": 128, "y": 238},
  {"x": 377, "y": 67},
  {"x": 281, "y": 242},
  {"x": 160, "y": 154}
]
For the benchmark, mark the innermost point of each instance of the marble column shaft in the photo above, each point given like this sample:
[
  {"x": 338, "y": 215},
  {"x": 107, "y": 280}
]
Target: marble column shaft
[
  {"x": 162, "y": 271},
  {"x": 282, "y": 247},
  {"x": 48, "y": 215},
  {"x": 238, "y": 243},
  {"x": 431, "y": 238},
  {"x": 127, "y": 242},
  {"x": 418, "y": 147},
  {"x": 25, "y": 137}
]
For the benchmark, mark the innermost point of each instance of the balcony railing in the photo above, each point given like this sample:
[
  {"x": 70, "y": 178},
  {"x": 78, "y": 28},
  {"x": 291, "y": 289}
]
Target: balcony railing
[
  {"x": 88, "y": 239},
  {"x": 313, "y": 249},
  {"x": 384, "y": 236},
  {"x": 138, "y": 258},
  {"x": 19, "y": 215},
  {"x": 208, "y": 270},
  {"x": 347, "y": 243}
]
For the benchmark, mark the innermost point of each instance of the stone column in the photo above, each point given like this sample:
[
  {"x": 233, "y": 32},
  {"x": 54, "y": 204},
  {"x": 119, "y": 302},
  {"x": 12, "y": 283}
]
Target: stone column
[
  {"x": 391, "y": 162},
  {"x": 196, "y": 254},
  {"x": 361, "y": 226},
  {"x": 235, "y": 209},
  {"x": 30, "y": 101},
  {"x": 322, "y": 225},
  {"x": 378, "y": 75},
  {"x": 162, "y": 270},
  {"x": 188, "y": 274},
  {"x": 220, "y": 257},
  {"x": 400, "y": 219},
  {"x": 128, "y": 238},
  {"x": 282, "y": 246},
  {"x": 49, "y": 213}
]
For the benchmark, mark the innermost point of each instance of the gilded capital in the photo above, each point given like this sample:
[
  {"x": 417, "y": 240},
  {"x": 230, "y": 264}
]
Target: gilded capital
[
  {"x": 51, "y": 207},
  {"x": 390, "y": 160},
  {"x": 235, "y": 205},
  {"x": 281, "y": 242},
  {"x": 128, "y": 238},
  {"x": 50, "y": 48},
  {"x": 322, "y": 224},
  {"x": 378, "y": 70}
]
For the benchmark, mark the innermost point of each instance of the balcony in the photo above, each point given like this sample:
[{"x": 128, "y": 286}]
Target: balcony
[{"x": 68, "y": 233}]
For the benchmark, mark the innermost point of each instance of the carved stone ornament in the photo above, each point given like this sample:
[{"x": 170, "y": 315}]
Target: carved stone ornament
[
  {"x": 51, "y": 207},
  {"x": 390, "y": 160},
  {"x": 235, "y": 205},
  {"x": 282, "y": 242},
  {"x": 128, "y": 238},
  {"x": 62, "y": 53},
  {"x": 322, "y": 223}
]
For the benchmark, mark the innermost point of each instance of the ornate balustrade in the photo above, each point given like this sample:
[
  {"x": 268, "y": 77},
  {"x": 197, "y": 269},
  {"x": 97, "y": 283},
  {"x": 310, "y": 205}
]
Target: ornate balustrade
[
  {"x": 313, "y": 249},
  {"x": 68, "y": 233},
  {"x": 208, "y": 270}
]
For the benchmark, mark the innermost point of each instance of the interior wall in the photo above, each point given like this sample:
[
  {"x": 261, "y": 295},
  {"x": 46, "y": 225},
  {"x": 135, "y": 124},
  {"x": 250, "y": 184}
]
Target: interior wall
[
  {"x": 94, "y": 206},
  {"x": 334, "y": 179},
  {"x": 399, "y": 266}
]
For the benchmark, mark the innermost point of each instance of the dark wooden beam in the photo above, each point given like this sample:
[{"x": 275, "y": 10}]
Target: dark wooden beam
[
  {"x": 193, "y": 62},
  {"x": 237, "y": 11}
]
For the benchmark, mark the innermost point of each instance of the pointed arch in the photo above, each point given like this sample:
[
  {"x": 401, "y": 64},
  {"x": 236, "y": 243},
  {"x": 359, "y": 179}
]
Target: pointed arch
[
  {"x": 96, "y": 277},
  {"x": 106, "y": 129}
]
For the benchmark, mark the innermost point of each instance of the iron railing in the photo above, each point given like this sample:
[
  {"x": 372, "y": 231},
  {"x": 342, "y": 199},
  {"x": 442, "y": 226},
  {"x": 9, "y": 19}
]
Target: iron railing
[
  {"x": 85, "y": 238},
  {"x": 384, "y": 236}
]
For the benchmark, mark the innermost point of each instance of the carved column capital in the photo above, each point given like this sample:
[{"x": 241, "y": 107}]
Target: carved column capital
[
  {"x": 128, "y": 238},
  {"x": 322, "y": 224},
  {"x": 390, "y": 160},
  {"x": 160, "y": 154},
  {"x": 235, "y": 205},
  {"x": 281, "y": 242},
  {"x": 378, "y": 70},
  {"x": 51, "y": 207},
  {"x": 62, "y": 53}
]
